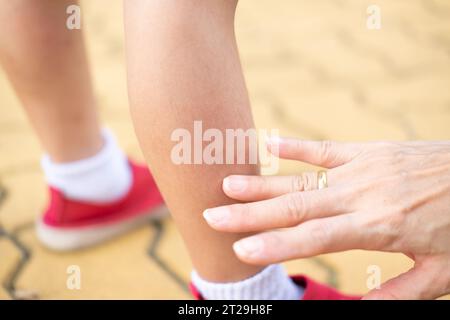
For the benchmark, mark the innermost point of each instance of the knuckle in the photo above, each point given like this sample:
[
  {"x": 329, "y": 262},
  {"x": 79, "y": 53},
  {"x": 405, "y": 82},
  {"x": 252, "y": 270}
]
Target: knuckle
[
  {"x": 377, "y": 234},
  {"x": 387, "y": 228},
  {"x": 398, "y": 212},
  {"x": 307, "y": 181},
  {"x": 298, "y": 144},
  {"x": 386, "y": 150},
  {"x": 296, "y": 183},
  {"x": 325, "y": 149},
  {"x": 320, "y": 234},
  {"x": 262, "y": 185},
  {"x": 396, "y": 160},
  {"x": 397, "y": 215},
  {"x": 295, "y": 207},
  {"x": 387, "y": 238}
]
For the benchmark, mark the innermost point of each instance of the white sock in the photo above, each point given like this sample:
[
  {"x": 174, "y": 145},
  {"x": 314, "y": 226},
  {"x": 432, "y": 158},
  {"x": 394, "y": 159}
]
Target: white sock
[
  {"x": 272, "y": 283},
  {"x": 102, "y": 178}
]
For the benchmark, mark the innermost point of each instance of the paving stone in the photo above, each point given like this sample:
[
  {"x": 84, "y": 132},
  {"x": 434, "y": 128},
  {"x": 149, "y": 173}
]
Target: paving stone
[
  {"x": 172, "y": 252},
  {"x": 19, "y": 150},
  {"x": 314, "y": 71},
  {"x": 119, "y": 269},
  {"x": 25, "y": 200},
  {"x": 9, "y": 257}
]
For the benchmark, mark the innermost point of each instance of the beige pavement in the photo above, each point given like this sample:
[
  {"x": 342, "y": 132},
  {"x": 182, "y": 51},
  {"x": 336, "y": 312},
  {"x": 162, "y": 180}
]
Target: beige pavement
[{"x": 314, "y": 71}]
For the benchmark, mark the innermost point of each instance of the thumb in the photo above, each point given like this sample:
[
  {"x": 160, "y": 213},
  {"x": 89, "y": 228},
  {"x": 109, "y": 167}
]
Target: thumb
[
  {"x": 421, "y": 282},
  {"x": 327, "y": 154}
]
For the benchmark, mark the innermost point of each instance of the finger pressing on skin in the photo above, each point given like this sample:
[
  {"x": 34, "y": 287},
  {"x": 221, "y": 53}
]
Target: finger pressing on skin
[
  {"x": 254, "y": 188},
  {"x": 280, "y": 212},
  {"x": 424, "y": 281},
  {"x": 328, "y": 154},
  {"x": 308, "y": 239}
]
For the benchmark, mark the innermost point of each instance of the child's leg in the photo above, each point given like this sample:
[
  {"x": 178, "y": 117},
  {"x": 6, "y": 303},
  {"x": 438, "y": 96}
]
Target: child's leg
[
  {"x": 184, "y": 66},
  {"x": 47, "y": 66}
]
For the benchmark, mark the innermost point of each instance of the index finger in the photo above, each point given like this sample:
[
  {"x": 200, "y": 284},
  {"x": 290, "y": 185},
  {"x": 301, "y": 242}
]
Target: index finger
[{"x": 280, "y": 212}]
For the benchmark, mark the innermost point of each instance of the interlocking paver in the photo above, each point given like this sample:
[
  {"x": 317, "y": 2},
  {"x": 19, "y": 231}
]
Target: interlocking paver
[
  {"x": 25, "y": 199},
  {"x": 119, "y": 269},
  {"x": 9, "y": 258},
  {"x": 313, "y": 71}
]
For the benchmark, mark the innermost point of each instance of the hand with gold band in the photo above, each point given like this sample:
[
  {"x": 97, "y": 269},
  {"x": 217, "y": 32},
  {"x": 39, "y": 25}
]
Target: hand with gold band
[{"x": 384, "y": 196}]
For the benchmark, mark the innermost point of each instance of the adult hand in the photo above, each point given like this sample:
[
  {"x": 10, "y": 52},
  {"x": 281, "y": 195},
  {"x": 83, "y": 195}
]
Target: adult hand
[{"x": 383, "y": 196}]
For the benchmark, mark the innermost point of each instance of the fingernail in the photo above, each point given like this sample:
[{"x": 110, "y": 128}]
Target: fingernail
[
  {"x": 217, "y": 216},
  {"x": 236, "y": 184},
  {"x": 249, "y": 247}
]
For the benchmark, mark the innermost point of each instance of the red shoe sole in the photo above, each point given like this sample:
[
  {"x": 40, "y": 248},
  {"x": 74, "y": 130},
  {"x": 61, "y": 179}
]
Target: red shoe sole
[{"x": 74, "y": 238}]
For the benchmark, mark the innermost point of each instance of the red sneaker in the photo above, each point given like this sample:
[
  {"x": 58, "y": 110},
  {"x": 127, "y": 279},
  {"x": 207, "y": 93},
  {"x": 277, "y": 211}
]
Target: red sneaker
[
  {"x": 316, "y": 291},
  {"x": 312, "y": 290},
  {"x": 69, "y": 224}
]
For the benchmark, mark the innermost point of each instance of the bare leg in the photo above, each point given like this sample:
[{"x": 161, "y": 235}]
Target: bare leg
[
  {"x": 47, "y": 66},
  {"x": 184, "y": 66}
]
